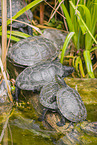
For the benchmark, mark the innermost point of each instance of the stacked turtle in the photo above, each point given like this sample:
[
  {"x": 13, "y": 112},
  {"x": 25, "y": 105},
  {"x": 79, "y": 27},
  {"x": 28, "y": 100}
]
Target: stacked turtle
[
  {"x": 38, "y": 54},
  {"x": 26, "y": 17},
  {"x": 58, "y": 96},
  {"x": 17, "y": 5}
]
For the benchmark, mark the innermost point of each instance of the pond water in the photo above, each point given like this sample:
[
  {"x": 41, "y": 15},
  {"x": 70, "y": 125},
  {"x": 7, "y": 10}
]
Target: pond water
[{"x": 25, "y": 129}]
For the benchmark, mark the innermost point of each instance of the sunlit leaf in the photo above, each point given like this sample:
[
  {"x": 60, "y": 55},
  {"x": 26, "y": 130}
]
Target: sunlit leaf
[
  {"x": 81, "y": 68},
  {"x": 94, "y": 48},
  {"x": 77, "y": 63},
  {"x": 87, "y": 14},
  {"x": 82, "y": 21},
  {"x": 65, "y": 45},
  {"x": 67, "y": 16},
  {"x": 19, "y": 34},
  {"x": 12, "y": 37},
  {"x": 88, "y": 63}
]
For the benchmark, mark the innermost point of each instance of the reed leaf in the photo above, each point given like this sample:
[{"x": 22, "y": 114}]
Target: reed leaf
[
  {"x": 77, "y": 63},
  {"x": 88, "y": 63},
  {"x": 68, "y": 19},
  {"x": 12, "y": 37},
  {"x": 19, "y": 34},
  {"x": 82, "y": 21},
  {"x": 65, "y": 45},
  {"x": 94, "y": 48},
  {"x": 81, "y": 68}
]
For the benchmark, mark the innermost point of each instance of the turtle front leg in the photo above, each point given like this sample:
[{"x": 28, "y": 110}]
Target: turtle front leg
[
  {"x": 61, "y": 122},
  {"x": 30, "y": 31},
  {"x": 41, "y": 118},
  {"x": 17, "y": 91}
]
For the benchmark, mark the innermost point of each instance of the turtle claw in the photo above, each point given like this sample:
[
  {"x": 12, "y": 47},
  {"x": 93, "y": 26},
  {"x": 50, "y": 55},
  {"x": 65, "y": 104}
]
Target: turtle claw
[
  {"x": 61, "y": 122},
  {"x": 41, "y": 118}
]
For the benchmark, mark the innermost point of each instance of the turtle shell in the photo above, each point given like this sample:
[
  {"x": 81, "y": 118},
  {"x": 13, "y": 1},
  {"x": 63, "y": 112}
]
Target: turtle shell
[
  {"x": 71, "y": 105},
  {"x": 33, "y": 78},
  {"x": 46, "y": 94},
  {"x": 32, "y": 51},
  {"x": 57, "y": 36},
  {"x": 17, "y": 5}
]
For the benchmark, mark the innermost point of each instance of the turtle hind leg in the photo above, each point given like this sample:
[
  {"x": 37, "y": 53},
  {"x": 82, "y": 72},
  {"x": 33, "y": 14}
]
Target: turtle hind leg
[
  {"x": 41, "y": 118},
  {"x": 61, "y": 122},
  {"x": 29, "y": 30}
]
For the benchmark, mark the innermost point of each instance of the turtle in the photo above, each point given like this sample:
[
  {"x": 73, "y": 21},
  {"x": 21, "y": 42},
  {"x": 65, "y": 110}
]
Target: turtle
[
  {"x": 34, "y": 78},
  {"x": 17, "y": 5},
  {"x": 32, "y": 51},
  {"x": 64, "y": 100},
  {"x": 55, "y": 35}
]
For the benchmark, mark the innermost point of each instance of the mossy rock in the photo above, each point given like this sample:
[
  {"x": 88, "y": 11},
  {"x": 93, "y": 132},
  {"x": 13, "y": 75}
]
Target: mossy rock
[{"x": 87, "y": 89}]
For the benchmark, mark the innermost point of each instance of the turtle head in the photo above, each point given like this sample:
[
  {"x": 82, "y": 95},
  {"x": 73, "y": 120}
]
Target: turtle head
[
  {"x": 60, "y": 81},
  {"x": 67, "y": 70}
]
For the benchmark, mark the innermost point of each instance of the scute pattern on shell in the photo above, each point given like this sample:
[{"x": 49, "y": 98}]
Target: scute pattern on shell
[
  {"x": 46, "y": 94},
  {"x": 17, "y": 5},
  {"x": 32, "y": 50},
  {"x": 71, "y": 105},
  {"x": 57, "y": 36},
  {"x": 33, "y": 78}
]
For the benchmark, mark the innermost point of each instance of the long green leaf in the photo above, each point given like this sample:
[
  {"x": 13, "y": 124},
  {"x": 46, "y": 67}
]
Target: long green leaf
[
  {"x": 12, "y": 37},
  {"x": 65, "y": 45},
  {"x": 87, "y": 13},
  {"x": 94, "y": 48},
  {"x": 68, "y": 19},
  {"x": 91, "y": 19},
  {"x": 77, "y": 63},
  {"x": 88, "y": 63},
  {"x": 81, "y": 68},
  {"x": 84, "y": 25},
  {"x": 88, "y": 38},
  {"x": 19, "y": 34}
]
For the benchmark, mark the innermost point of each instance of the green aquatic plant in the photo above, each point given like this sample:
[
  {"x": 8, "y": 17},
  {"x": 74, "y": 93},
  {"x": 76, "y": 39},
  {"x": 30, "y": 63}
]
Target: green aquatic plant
[{"x": 81, "y": 20}]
